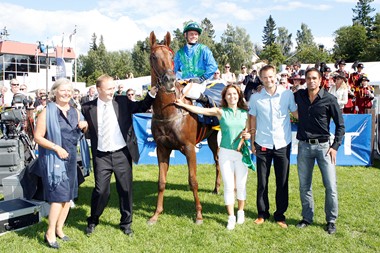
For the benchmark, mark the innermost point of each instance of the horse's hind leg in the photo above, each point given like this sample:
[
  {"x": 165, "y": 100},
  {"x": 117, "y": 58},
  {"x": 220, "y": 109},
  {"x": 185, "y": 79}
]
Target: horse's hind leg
[
  {"x": 163, "y": 164},
  {"x": 192, "y": 164},
  {"x": 212, "y": 141}
]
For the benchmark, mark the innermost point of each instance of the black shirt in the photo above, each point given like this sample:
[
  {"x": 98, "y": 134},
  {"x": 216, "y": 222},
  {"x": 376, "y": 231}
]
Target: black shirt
[{"x": 314, "y": 118}]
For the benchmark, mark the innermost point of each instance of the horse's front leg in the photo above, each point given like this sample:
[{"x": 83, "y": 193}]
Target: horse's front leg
[
  {"x": 163, "y": 156},
  {"x": 192, "y": 164}
]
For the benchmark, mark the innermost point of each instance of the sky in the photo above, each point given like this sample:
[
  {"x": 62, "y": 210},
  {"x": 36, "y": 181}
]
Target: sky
[{"x": 124, "y": 22}]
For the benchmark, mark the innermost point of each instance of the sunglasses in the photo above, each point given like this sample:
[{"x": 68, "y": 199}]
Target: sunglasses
[
  {"x": 227, "y": 67},
  {"x": 130, "y": 94},
  {"x": 217, "y": 73},
  {"x": 15, "y": 84},
  {"x": 282, "y": 83},
  {"x": 243, "y": 67}
]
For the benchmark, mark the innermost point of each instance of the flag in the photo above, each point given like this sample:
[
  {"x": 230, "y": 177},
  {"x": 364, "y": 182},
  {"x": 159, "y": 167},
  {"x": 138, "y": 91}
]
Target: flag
[
  {"x": 61, "y": 68},
  {"x": 71, "y": 35}
]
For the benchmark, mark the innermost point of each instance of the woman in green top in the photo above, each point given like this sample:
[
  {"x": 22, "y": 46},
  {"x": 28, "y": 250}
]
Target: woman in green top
[{"x": 233, "y": 123}]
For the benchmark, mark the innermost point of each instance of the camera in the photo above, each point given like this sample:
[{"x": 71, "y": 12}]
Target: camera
[
  {"x": 12, "y": 115},
  {"x": 21, "y": 101}
]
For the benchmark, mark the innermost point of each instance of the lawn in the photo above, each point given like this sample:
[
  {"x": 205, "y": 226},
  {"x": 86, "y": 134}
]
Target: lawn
[{"x": 357, "y": 225}]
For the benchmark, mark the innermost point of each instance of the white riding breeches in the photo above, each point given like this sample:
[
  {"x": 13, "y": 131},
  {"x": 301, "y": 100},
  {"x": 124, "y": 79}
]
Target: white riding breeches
[{"x": 194, "y": 90}]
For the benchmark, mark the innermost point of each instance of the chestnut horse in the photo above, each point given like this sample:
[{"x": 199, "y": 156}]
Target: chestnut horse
[{"x": 174, "y": 128}]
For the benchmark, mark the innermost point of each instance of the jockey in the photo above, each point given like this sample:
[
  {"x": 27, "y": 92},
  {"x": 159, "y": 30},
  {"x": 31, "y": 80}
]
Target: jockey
[{"x": 194, "y": 62}]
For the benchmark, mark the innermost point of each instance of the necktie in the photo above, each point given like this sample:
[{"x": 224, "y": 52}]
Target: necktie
[{"x": 106, "y": 131}]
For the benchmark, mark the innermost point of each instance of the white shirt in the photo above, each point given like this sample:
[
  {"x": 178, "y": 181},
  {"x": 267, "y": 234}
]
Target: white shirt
[
  {"x": 341, "y": 95},
  {"x": 8, "y": 98},
  {"x": 117, "y": 139}
]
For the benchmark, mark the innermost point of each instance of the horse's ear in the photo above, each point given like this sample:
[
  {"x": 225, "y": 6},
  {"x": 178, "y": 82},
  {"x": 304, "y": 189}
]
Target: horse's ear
[
  {"x": 167, "y": 39},
  {"x": 152, "y": 38}
]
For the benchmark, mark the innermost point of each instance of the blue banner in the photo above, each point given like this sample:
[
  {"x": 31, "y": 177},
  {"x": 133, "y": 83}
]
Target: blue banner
[{"x": 354, "y": 151}]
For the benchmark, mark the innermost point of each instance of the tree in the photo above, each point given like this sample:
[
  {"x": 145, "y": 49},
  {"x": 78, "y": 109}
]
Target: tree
[
  {"x": 362, "y": 16},
  {"x": 208, "y": 28},
  {"x": 350, "y": 42},
  {"x": 178, "y": 40},
  {"x": 140, "y": 57},
  {"x": 93, "y": 45},
  {"x": 312, "y": 54},
  {"x": 269, "y": 36},
  {"x": 284, "y": 40},
  {"x": 372, "y": 51},
  {"x": 236, "y": 46},
  {"x": 304, "y": 37},
  {"x": 208, "y": 34},
  {"x": 272, "y": 53}
]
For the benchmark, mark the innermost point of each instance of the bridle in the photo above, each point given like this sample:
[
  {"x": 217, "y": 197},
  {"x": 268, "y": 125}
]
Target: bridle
[{"x": 161, "y": 77}]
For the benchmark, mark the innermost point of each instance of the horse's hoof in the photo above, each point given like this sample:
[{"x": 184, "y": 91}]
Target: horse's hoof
[
  {"x": 216, "y": 192},
  {"x": 151, "y": 222},
  {"x": 198, "y": 222}
]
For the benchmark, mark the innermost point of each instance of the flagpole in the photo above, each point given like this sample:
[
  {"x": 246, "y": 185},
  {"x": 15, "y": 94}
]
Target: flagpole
[
  {"x": 75, "y": 54},
  {"x": 38, "y": 69},
  {"x": 47, "y": 68}
]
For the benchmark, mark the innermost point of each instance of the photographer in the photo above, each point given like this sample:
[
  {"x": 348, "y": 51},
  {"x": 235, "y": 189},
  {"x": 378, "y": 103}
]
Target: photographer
[{"x": 8, "y": 96}]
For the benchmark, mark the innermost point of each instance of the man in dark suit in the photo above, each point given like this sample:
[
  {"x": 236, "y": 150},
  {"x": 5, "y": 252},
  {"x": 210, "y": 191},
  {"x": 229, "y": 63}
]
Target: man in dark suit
[
  {"x": 109, "y": 121},
  {"x": 89, "y": 97}
]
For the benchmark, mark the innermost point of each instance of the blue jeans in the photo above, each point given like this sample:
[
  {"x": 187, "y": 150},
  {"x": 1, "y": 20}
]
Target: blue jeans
[{"x": 307, "y": 154}]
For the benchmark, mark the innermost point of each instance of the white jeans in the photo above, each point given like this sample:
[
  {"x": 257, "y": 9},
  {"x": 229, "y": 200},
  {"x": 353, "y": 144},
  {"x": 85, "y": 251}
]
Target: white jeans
[
  {"x": 233, "y": 169},
  {"x": 194, "y": 90}
]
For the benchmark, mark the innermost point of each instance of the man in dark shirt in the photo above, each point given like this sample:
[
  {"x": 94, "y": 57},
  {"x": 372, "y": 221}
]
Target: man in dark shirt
[
  {"x": 251, "y": 82},
  {"x": 316, "y": 107}
]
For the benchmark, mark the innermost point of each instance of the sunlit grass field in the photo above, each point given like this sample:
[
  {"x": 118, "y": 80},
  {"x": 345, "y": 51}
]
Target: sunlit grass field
[{"x": 357, "y": 225}]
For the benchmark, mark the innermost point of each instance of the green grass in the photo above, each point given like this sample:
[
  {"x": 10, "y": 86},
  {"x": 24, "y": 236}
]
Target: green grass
[{"x": 175, "y": 231}]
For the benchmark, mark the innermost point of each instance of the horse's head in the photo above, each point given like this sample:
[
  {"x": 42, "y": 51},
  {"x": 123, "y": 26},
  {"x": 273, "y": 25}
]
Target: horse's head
[{"x": 161, "y": 62}]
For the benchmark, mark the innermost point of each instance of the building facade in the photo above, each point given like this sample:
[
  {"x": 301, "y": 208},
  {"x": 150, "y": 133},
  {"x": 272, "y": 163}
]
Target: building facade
[{"x": 35, "y": 65}]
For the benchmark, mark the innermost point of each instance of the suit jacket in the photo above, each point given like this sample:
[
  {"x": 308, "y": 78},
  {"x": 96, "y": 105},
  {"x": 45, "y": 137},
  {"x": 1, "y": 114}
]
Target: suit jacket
[
  {"x": 124, "y": 108},
  {"x": 85, "y": 99}
]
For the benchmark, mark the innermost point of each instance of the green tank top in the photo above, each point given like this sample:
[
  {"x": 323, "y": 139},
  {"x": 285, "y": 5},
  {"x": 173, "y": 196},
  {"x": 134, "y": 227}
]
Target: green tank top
[{"x": 231, "y": 124}]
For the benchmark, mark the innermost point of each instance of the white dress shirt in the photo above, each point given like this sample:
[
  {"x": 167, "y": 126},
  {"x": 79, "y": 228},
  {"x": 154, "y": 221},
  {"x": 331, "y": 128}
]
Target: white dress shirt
[{"x": 117, "y": 139}]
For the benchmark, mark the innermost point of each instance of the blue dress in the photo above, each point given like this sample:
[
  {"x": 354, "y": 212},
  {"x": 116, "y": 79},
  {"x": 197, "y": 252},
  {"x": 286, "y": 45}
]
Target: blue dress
[{"x": 70, "y": 133}]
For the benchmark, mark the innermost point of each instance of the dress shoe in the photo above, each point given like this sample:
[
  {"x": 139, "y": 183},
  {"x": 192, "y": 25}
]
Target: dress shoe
[
  {"x": 259, "y": 221},
  {"x": 302, "y": 224},
  {"x": 90, "y": 229},
  {"x": 53, "y": 245},
  {"x": 282, "y": 224},
  {"x": 330, "y": 228},
  {"x": 128, "y": 232},
  {"x": 64, "y": 238}
]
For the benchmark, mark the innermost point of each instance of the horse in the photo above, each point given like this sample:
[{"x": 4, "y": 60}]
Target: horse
[{"x": 174, "y": 128}]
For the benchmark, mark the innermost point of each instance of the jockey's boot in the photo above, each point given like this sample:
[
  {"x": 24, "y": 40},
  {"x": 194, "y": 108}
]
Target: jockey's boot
[{"x": 203, "y": 100}]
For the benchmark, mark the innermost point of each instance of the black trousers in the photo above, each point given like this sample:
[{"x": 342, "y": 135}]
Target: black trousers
[
  {"x": 120, "y": 163},
  {"x": 281, "y": 163}
]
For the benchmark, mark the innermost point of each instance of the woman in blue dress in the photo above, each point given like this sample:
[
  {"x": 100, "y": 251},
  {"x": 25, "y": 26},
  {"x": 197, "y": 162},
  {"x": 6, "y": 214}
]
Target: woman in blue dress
[
  {"x": 233, "y": 118},
  {"x": 57, "y": 132}
]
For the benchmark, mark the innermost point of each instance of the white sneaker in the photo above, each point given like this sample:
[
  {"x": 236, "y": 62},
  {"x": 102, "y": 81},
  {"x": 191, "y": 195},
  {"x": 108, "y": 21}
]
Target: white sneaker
[
  {"x": 231, "y": 222},
  {"x": 72, "y": 204},
  {"x": 240, "y": 217}
]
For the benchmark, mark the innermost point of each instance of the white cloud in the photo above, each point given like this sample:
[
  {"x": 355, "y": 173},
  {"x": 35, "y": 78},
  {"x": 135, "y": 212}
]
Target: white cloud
[{"x": 328, "y": 42}]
